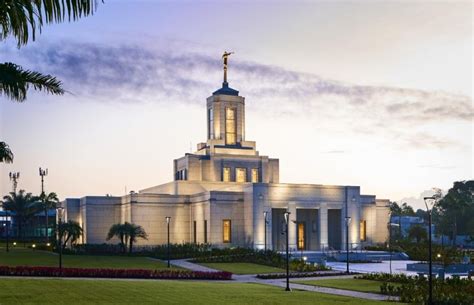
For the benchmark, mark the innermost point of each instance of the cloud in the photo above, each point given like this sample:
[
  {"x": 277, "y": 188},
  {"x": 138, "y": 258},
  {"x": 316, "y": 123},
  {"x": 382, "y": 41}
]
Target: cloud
[{"x": 131, "y": 73}]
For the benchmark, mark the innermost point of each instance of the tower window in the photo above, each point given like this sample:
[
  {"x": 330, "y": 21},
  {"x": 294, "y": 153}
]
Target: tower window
[
  {"x": 241, "y": 174},
  {"x": 226, "y": 230},
  {"x": 226, "y": 174},
  {"x": 255, "y": 175},
  {"x": 230, "y": 126},
  {"x": 210, "y": 127}
]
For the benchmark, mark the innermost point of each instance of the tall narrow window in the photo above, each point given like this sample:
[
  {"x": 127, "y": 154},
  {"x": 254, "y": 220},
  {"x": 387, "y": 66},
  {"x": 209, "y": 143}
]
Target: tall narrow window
[
  {"x": 205, "y": 231},
  {"x": 255, "y": 175},
  {"x": 241, "y": 174},
  {"x": 230, "y": 126},
  {"x": 195, "y": 232},
  {"x": 210, "y": 126},
  {"x": 226, "y": 174},
  {"x": 301, "y": 235},
  {"x": 227, "y": 232},
  {"x": 363, "y": 230}
]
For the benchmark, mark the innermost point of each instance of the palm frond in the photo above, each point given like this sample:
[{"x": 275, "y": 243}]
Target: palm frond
[
  {"x": 6, "y": 154},
  {"x": 14, "y": 82},
  {"x": 23, "y": 18}
]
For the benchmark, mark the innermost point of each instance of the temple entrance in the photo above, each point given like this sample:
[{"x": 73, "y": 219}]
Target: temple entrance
[
  {"x": 278, "y": 229},
  {"x": 334, "y": 229},
  {"x": 307, "y": 235}
]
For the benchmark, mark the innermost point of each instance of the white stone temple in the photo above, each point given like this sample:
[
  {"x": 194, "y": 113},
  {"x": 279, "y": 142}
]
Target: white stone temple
[{"x": 227, "y": 194}]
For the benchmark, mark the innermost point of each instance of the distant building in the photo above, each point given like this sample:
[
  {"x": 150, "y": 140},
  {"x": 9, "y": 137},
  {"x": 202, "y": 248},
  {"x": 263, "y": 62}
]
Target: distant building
[{"x": 221, "y": 191}]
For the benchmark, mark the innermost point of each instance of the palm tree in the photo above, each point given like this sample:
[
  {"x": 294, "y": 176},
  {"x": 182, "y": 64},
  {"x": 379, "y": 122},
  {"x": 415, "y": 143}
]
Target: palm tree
[
  {"x": 48, "y": 202},
  {"x": 118, "y": 230},
  {"x": 69, "y": 231},
  {"x": 22, "y": 19},
  {"x": 134, "y": 232},
  {"x": 6, "y": 154},
  {"x": 23, "y": 206}
]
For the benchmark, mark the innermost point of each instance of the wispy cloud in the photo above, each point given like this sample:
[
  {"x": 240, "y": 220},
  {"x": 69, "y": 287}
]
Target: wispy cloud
[{"x": 129, "y": 73}]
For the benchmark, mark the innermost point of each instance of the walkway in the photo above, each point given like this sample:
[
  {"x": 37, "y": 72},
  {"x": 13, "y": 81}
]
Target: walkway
[{"x": 251, "y": 278}]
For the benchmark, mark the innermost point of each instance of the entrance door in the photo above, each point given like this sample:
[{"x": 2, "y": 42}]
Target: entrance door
[{"x": 301, "y": 235}]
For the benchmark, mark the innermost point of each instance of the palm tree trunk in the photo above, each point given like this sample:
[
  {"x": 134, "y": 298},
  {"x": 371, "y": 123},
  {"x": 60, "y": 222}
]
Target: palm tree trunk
[{"x": 131, "y": 246}]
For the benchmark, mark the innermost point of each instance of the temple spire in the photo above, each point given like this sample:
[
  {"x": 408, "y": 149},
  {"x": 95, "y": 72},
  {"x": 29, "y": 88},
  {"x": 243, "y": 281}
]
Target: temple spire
[{"x": 224, "y": 57}]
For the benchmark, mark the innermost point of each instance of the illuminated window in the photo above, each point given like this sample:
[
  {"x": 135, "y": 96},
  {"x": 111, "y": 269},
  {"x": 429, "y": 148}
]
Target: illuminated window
[
  {"x": 230, "y": 126},
  {"x": 241, "y": 174},
  {"x": 363, "y": 230},
  {"x": 205, "y": 231},
  {"x": 255, "y": 175},
  {"x": 227, "y": 232},
  {"x": 210, "y": 127},
  {"x": 195, "y": 231},
  {"x": 226, "y": 174},
  {"x": 301, "y": 235}
]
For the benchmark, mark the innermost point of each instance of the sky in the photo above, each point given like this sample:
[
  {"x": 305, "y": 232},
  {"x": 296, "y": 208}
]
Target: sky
[{"x": 369, "y": 93}]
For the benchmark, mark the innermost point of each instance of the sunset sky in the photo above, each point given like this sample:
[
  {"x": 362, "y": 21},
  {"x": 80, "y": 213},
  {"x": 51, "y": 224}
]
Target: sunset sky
[{"x": 369, "y": 93}]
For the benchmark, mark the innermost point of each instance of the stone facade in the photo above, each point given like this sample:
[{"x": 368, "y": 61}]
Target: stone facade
[{"x": 220, "y": 194}]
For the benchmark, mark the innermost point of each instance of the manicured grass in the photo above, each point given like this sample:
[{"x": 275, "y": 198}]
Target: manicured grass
[
  {"x": 347, "y": 284},
  {"x": 46, "y": 291},
  {"x": 243, "y": 268},
  {"x": 27, "y": 257}
]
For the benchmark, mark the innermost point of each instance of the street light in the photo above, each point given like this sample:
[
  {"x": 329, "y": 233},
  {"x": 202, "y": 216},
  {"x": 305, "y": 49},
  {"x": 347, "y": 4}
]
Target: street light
[
  {"x": 168, "y": 219},
  {"x": 59, "y": 211},
  {"x": 287, "y": 220},
  {"x": 265, "y": 213},
  {"x": 43, "y": 173},
  {"x": 348, "y": 221},
  {"x": 14, "y": 176},
  {"x": 430, "y": 268},
  {"x": 390, "y": 225}
]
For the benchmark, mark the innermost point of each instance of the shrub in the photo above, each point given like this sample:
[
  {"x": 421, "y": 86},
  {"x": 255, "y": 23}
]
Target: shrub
[{"x": 113, "y": 273}]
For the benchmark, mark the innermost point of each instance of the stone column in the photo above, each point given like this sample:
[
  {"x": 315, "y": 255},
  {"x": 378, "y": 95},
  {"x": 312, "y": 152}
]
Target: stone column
[
  {"x": 323, "y": 226},
  {"x": 292, "y": 225}
]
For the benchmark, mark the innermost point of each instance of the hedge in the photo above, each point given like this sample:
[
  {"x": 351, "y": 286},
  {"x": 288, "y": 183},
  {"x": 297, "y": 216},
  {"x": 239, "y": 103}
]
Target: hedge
[{"x": 113, "y": 273}]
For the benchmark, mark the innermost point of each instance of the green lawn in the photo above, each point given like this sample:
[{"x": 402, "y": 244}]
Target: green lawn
[
  {"x": 347, "y": 284},
  {"x": 67, "y": 291},
  {"x": 243, "y": 268},
  {"x": 27, "y": 257}
]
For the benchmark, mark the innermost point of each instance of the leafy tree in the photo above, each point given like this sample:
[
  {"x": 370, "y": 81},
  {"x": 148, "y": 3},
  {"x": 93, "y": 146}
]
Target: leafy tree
[
  {"x": 69, "y": 231},
  {"x": 407, "y": 210},
  {"x": 452, "y": 214},
  {"x": 48, "y": 202},
  {"x": 6, "y": 154},
  {"x": 134, "y": 232},
  {"x": 23, "y": 206},
  {"x": 418, "y": 233},
  {"x": 22, "y": 19}
]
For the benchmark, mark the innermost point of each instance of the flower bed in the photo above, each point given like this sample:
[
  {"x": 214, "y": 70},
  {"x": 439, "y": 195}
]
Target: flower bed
[{"x": 114, "y": 273}]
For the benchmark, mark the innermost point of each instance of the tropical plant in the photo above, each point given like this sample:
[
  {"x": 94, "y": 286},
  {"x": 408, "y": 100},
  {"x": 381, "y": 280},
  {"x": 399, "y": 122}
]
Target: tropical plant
[
  {"x": 69, "y": 231},
  {"x": 22, "y": 19},
  {"x": 127, "y": 233},
  {"x": 118, "y": 230},
  {"x": 6, "y": 154},
  {"x": 48, "y": 201},
  {"x": 23, "y": 206},
  {"x": 134, "y": 232}
]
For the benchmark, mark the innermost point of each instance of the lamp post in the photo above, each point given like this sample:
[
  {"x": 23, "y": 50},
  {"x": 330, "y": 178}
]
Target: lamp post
[
  {"x": 348, "y": 221},
  {"x": 430, "y": 266},
  {"x": 265, "y": 222},
  {"x": 14, "y": 176},
  {"x": 43, "y": 173},
  {"x": 168, "y": 219},
  {"x": 390, "y": 225},
  {"x": 59, "y": 211},
  {"x": 287, "y": 221}
]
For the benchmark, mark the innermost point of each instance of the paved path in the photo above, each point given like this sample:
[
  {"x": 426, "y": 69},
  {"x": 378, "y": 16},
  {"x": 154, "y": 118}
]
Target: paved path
[{"x": 251, "y": 278}]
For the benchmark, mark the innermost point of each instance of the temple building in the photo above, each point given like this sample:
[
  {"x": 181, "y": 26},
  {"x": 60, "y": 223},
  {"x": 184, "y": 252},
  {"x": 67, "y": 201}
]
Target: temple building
[{"x": 227, "y": 194}]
